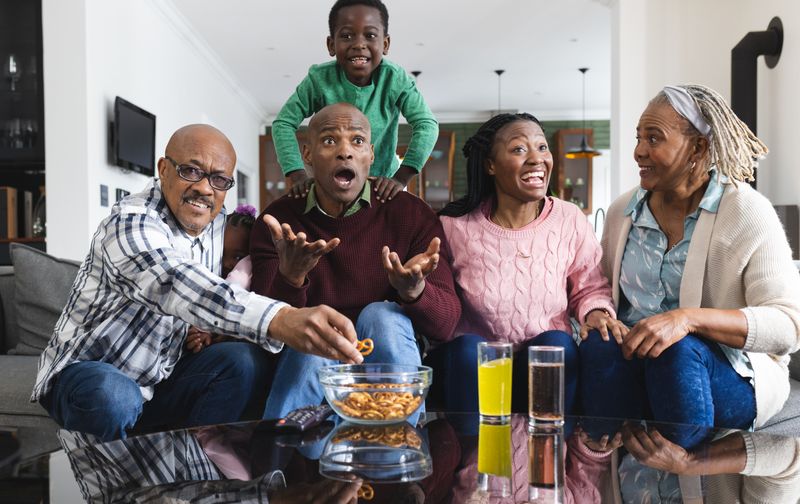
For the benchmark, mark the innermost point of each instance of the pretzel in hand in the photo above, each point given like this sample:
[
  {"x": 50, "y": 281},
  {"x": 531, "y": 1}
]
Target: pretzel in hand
[
  {"x": 365, "y": 346},
  {"x": 366, "y": 492}
]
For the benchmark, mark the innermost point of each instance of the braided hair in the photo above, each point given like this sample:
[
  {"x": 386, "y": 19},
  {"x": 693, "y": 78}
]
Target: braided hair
[
  {"x": 735, "y": 150},
  {"x": 341, "y": 4},
  {"x": 478, "y": 150}
]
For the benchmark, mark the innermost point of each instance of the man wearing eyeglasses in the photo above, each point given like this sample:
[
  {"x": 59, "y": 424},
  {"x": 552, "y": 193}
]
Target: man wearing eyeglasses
[{"x": 116, "y": 362}]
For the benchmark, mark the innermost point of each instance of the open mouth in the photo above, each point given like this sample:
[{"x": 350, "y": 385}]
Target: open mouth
[
  {"x": 359, "y": 60},
  {"x": 344, "y": 177},
  {"x": 534, "y": 178},
  {"x": 198, "y": 203}
]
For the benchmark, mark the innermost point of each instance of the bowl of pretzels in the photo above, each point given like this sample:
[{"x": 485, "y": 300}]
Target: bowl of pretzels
[{"x": 375, "y": 394}]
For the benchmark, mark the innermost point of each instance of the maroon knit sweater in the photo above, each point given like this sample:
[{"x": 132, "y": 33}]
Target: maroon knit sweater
[{"x": 352, "y": 275}]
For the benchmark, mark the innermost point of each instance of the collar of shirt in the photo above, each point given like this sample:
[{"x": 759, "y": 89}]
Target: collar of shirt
[
  {"x": 709, "y": 202},
  {"x": 362, "y": 201}
]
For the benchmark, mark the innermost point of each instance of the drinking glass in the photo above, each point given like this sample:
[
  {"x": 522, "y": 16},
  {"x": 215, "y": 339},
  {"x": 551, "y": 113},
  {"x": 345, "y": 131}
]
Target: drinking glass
[
  {"x": 494, "y": 381},
  {"x": 546, "y": 385},
  {"x": 546, "y": 464},
  {"x": 494, "y": 459}
]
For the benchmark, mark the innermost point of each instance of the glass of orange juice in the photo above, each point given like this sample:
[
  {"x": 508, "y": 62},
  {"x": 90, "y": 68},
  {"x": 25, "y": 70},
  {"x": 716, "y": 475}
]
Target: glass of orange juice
[
  {"x": 494, "y": 381},
  {"x": 494, "y": 459}
]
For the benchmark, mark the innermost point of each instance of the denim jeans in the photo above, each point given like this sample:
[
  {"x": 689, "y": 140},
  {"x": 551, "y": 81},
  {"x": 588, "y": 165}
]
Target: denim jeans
[
  {"x": 691, "y": 382},
  {"x": 296, "y": 383},
  {"x": 455, "y": 372},
  {"x": 219, "y": 384}
]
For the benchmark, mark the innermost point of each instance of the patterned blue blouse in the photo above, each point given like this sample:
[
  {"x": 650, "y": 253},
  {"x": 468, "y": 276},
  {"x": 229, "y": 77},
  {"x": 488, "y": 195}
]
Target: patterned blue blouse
[{"x": 650, "y": 276}]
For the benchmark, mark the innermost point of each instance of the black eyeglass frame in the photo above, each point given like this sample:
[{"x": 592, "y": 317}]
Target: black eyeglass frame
[{"x": 181, "y": 168}]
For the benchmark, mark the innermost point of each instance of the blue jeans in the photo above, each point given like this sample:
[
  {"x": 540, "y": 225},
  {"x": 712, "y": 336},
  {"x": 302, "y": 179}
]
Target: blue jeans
[
  {"x": 691, "y": 382},
  {"x": 455, "y": 372},
  {"x": 219, "y": 384},
  {"x": 296, "y": 383}
]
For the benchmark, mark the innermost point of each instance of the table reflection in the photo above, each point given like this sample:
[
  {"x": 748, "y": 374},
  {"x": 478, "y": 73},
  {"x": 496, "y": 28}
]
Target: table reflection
[{"x": 440, "y": 461}]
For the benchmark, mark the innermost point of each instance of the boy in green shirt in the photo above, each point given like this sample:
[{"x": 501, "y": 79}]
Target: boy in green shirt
[{"x": 359, "y": 39}]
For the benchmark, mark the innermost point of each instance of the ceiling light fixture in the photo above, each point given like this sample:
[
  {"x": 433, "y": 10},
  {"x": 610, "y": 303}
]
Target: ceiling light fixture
[
  {"x": 584, "y": 151},
  {"x": 499, "y": 74}
]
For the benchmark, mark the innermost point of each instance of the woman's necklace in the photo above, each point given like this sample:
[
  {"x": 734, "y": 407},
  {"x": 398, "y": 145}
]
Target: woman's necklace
[{"x": 493, "y": 218}]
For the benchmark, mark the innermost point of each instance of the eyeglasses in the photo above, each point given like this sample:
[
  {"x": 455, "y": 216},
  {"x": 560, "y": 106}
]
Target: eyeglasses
[{"x": 191, "y": 173}]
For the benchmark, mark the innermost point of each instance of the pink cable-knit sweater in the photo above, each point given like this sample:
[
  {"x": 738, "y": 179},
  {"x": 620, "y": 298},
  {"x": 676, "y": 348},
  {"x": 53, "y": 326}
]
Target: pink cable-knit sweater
[{"x": 517, "y": 283}]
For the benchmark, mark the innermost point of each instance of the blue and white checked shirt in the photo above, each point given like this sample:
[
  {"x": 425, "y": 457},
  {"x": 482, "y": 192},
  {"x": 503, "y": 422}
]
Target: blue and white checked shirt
[
  {"x": 144, "y": 281},
  {"x": 650, "y": 276}
]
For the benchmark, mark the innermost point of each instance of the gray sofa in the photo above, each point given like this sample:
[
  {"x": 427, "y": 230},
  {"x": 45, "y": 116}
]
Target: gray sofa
[{"x": 30, "y": 303}]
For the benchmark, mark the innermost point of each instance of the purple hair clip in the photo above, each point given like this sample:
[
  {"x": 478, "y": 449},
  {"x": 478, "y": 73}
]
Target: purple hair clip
[{"x": 246, "y": 210}]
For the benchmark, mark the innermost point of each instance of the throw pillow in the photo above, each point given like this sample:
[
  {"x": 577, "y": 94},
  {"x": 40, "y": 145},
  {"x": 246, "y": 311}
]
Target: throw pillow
[{"x": 41, "y": 288}]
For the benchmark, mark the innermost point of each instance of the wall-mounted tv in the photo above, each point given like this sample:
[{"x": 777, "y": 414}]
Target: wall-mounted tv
[{"x": 134, "y": 137}]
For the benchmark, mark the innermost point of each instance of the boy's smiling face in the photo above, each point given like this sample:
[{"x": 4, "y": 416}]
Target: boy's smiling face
[{"x": 359, "y": 42}]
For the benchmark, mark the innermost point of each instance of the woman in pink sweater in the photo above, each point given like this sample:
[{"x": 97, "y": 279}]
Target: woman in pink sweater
[{"x": 524, "y": 262}]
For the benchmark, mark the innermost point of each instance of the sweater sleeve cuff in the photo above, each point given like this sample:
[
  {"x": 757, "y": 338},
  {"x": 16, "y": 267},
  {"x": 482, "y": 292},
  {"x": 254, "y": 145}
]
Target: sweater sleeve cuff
[
  {"x": 750, "y": 453},
  {"x": 598, "y": 305},
  {"x": 599, "y": 456},
  {"x": 258, "y": 314},
  {"x": 285, "y": 291},
  {"x": 752, "y": 329}
]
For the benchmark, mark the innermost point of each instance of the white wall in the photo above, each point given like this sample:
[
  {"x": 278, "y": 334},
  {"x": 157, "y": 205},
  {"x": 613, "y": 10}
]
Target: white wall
[
  {"x": 655, "y": 43},
  {"x": 145, "y": 52}
]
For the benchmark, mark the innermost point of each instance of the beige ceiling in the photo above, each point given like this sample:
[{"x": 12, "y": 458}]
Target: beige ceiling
[{"x": 268, "y": 46}]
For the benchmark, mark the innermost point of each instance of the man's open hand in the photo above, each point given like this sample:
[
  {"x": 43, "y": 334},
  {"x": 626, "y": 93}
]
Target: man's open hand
[
  {"x": 296, "y": 256},
  {"x": 409, "y": 279}
]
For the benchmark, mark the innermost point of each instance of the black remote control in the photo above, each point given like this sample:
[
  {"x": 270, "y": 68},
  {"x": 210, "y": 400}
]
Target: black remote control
[{"x": 305, "y": 418}]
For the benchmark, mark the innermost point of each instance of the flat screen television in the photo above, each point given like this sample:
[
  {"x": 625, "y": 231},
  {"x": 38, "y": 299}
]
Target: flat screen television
[{"x": 134, "y": 137}]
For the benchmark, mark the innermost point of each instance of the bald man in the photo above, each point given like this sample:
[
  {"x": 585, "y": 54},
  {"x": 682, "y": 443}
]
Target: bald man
[
  {"x": 383, "y": 264},
  {"x": 116, "y": 360}
]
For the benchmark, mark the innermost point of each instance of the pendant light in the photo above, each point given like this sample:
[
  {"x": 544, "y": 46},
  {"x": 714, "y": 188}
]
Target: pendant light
[
  {"x": 584, "y": 151},
  {"x": 499, "y": 74}
]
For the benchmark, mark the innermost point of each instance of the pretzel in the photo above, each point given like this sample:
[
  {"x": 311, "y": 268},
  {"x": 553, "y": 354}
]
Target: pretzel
[
  {"x": 384, "y": 404},
  {"x": 394, "y": 436},
  {"x": 366, "y": 492},
  {"x": 365, "y": 346}
]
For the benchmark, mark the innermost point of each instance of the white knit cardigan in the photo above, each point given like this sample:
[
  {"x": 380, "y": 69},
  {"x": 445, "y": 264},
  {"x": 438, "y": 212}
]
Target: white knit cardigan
[{"x": 738, "y": 258}]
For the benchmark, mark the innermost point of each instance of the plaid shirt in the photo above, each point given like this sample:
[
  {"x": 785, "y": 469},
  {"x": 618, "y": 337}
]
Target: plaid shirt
[
  {"x": 161, "y": 467},
  {"x": 143, "y": 283}
]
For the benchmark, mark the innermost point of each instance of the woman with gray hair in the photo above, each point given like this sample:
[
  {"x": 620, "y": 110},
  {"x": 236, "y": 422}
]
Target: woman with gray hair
[{"x": 701, "y": 272}]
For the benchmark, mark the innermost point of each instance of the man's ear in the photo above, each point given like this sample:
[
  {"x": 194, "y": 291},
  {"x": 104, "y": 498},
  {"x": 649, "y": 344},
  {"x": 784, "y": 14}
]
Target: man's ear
[
  {"x": 331, "y": 48},
  {"x": 162, "y": 167},
  {"x": 307, "y": 154},
  {"x": 387, "y": 40},
  {"x": 371, "y": 154}
]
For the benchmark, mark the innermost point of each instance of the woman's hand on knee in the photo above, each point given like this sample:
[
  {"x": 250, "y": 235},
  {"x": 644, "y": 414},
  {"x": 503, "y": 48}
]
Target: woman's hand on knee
[
  {"x": 605, "y": 324},
  {"x": 651, "y": 336}
]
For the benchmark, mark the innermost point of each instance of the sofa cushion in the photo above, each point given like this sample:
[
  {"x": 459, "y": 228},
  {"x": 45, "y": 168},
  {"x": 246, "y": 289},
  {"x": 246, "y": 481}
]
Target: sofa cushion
[
  {"x": 8, "y": 314},
  {"x": 41, "y": 287},
  {"x": 787, "y": 421},
  {"x": 18, "y": 374}
]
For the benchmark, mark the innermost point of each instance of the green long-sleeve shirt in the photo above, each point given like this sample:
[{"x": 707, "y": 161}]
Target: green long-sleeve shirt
[{"x": 391, "y": 93}]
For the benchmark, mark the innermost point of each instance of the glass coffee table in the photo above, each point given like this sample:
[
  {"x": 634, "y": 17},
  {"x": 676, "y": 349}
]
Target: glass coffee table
[{"x": 445, "y": 458}]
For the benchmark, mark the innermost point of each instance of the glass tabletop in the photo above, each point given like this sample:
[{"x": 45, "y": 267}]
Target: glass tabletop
[{"x": 444, "y": 458}]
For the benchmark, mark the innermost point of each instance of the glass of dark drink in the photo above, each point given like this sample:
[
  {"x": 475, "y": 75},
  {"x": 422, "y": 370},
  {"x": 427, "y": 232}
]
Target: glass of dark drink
[{"x": 545, "y": 385}]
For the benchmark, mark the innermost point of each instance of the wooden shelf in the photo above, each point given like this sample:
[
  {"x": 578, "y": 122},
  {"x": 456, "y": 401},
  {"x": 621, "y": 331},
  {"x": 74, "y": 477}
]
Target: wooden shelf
[{"x": 40, "y": 239}]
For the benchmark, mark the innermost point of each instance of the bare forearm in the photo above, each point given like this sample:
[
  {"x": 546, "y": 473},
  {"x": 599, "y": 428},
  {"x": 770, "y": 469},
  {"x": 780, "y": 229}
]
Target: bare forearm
[
  {"x": 728, "y": 327},
  {"x": 724, "y": 456},
  {"x": 404, "y": 174}
]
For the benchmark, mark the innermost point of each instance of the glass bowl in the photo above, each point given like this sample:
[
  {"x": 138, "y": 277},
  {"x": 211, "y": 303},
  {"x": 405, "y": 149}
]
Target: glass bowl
[
  {"x": 375, "y": 394},
  {"x": 376, "y": 453}
]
